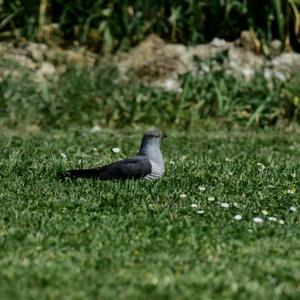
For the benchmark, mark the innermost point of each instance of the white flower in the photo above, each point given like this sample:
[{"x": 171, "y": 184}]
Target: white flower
[
  {"x": 293, "y": 209},
  {"x": 211, "y": 199},
  {"x": 258, "y": 220},
  {"x": 94, "y": 149},
  {"x": 235, "y": 204},
  {"x": 227, "y": 159},
  {"x": 63, "y": 155},
  {"x": 291, "y": 191},
  {"x": 272, "y": 219},
  {"x": 116, "y": 150},
  {"x": 281, "y": 222},
  {"x": 261, "y": 166},
  {"x": 230, "y": 173},
  {"x": 224, "y": 205},
  {"x": 293, "y": 175},
  {"x": 194, "y": 205},
  {"x": 202, "y": 188},
  {"x": 182, "y": 195},
  {"x": 264, "y": 212},
  {"x": 237, "y": 217},
  {"x": 172, "y": 162},
  {"x": 200, "y": 212}
]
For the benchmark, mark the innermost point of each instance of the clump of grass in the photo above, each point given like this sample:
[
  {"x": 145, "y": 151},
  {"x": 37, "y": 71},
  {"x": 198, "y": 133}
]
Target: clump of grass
[
  {"x": 291, "y": 97},
  {"x": 231, "y": 99}
]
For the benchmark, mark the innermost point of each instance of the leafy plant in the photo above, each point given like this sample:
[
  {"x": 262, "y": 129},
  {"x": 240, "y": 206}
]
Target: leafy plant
[
  {"x": 111, "y": 25},
  {"x": 291, "y": 97}
]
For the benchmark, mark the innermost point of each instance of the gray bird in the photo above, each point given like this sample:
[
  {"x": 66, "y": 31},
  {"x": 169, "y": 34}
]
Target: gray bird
[{"x": 148, "y": 164}]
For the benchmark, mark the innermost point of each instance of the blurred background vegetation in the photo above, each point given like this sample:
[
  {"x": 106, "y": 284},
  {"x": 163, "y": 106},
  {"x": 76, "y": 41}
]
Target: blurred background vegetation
[
  {"x": 101, "y": 97},
  {"x": 109, "y": 25}
]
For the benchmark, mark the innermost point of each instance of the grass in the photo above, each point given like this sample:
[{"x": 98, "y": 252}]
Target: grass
[{"x": 139, "y": 239}]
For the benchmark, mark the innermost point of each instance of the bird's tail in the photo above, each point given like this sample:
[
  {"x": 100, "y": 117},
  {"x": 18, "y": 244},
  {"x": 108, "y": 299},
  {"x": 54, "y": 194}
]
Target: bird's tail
[{"x": 72, "y": 174}]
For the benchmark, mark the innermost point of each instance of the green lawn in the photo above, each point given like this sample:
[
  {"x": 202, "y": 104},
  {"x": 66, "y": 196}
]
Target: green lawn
[{"x": 139, "y": 240}]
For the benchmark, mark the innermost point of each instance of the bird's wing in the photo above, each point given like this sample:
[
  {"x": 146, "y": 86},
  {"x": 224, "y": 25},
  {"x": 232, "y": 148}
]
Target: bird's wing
[{"x": 131, "y": 168}]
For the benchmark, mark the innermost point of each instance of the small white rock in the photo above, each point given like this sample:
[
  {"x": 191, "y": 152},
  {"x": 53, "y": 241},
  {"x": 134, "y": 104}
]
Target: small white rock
[
  {"x": 279, "y": 75},
  {"x": 47, "y": 69},
  {"x": 248, "y": 73},
  {"x": 217, "y": 42},
  {"x": 224, "y": 205}
]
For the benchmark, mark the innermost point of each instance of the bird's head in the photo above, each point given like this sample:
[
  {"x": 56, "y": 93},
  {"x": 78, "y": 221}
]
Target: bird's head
[{"x": 153, "y": 137}]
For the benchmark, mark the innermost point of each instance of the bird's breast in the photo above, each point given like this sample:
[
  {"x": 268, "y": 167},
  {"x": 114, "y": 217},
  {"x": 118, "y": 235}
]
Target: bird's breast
[{"x": 157, "y": 171}]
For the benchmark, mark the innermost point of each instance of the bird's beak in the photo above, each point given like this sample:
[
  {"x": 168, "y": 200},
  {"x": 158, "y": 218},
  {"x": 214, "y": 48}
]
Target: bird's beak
[{"x": 164, "y": 135}]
